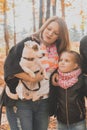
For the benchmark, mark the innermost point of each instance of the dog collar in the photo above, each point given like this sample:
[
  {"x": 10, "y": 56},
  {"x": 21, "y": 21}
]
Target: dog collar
[{"x": 29, "y": 59}]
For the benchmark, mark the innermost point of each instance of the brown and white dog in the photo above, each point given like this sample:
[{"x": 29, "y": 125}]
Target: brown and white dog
[{"x": 30, "y": 63}]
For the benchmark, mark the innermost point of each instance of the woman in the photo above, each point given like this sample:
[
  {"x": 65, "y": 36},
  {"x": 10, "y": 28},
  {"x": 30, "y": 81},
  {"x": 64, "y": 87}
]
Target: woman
[{"x": 53, "y": 37}]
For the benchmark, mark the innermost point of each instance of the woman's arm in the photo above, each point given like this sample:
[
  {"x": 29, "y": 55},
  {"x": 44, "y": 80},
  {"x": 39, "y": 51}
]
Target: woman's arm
[{"x": 39, "y": 76}]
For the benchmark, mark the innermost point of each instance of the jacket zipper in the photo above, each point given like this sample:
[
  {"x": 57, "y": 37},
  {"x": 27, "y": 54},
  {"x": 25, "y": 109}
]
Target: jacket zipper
[
  {"x": 79, "y": 110},
  {"x": 67, "y": 115}
]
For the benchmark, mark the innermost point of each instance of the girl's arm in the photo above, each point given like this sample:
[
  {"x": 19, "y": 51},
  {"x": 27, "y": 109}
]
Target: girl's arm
[{"x": 55, "y": 79}]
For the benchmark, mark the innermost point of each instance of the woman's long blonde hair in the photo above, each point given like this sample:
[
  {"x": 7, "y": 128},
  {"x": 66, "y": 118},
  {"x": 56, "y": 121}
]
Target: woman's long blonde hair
[{"x": 62, "y": 42}]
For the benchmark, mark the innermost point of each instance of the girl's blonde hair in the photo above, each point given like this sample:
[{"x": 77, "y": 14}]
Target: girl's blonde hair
[
  {"x": 62, "y": 42},
  {"x": 76, "y": 56}
]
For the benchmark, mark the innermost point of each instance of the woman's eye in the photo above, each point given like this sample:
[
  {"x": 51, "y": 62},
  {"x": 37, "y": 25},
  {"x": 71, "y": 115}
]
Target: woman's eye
[
  {"x": 56, "y": 34},
  {"x": 48, "y": 29}
]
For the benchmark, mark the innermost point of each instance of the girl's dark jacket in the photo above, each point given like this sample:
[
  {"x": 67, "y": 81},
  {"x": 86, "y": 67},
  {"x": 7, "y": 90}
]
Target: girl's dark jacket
[{"x": 68, "y": 104}]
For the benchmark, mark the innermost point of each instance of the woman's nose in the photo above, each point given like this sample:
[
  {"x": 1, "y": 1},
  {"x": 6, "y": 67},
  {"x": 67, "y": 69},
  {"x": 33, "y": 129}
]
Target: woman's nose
[{"x": 50, "y": 33}]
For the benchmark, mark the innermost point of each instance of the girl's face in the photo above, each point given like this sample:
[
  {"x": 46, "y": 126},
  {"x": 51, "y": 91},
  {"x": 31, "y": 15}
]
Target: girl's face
[
  {"x": 51, "y": 33},
  {"x": 67, "y": 62}
]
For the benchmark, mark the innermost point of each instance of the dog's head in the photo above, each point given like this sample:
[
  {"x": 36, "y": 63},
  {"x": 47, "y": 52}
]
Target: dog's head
[{"x": 32, "y": 50}]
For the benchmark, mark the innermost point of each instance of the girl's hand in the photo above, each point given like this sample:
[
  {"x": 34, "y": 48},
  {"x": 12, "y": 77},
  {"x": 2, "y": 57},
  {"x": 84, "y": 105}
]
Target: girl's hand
[{"x": 55, "y": 79}]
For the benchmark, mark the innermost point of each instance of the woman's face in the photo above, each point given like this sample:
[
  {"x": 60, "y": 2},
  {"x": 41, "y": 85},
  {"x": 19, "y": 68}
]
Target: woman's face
[
  {"x": 51, "y": 33},
  {"x": 67, "y": 63}
]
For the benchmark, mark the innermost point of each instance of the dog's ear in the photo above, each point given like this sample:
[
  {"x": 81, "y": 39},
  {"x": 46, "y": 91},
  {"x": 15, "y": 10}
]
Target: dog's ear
[{"x": 35, "y": 47}]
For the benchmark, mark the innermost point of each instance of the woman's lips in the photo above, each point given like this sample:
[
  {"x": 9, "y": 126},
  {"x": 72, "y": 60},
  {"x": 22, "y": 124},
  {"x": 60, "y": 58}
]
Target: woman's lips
[{"x": 48, "y": 37}]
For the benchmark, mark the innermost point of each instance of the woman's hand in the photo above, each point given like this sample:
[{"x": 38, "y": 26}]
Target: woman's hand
[
  {"x": 55, "y": 79},
  {"x": 39, "y": 76}
]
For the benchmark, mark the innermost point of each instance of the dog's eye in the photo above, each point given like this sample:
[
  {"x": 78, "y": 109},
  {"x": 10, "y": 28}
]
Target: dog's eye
[{"x": 35, "y": 47}]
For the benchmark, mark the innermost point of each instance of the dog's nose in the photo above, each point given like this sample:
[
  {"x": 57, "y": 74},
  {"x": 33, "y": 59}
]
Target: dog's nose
[{"x": 43, "y": 54}]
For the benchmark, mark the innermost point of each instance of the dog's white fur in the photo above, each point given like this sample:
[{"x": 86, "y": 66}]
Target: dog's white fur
[
  {"x": 30, "y": 63},
  {"x": 32, "y": 50}
]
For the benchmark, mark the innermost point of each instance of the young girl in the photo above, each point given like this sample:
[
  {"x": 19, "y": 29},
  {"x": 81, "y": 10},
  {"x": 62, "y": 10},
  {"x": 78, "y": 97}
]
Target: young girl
[{"x": 69, "y": 89}]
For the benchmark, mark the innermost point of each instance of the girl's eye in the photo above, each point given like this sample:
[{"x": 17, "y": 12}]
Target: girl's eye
[
  {"x": 63, "y": 60},
  {"x": 66, "y": 60}
]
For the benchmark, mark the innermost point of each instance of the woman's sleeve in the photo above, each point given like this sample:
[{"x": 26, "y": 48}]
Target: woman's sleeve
[{"x": 11, "y": 65}]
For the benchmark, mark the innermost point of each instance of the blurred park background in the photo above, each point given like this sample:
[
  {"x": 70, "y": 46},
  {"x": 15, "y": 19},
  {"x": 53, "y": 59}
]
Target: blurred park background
[{"x": 20, "y": 18}]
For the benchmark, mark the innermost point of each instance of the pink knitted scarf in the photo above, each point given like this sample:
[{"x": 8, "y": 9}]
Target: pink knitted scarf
[{"x": 66, "y": 80}]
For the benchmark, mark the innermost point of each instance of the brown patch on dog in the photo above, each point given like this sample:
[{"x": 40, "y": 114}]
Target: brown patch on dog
[{"x": 35, "y": 48}]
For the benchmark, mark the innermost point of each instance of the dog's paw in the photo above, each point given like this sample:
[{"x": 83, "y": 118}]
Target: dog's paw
[
  {"x": 19, "y": 92},
  {"x": 7, "y": 90},
  {"x": 35, "y": 97},
  {"x": 10, "y": 94},
  {"x": 46, "y": 77}
]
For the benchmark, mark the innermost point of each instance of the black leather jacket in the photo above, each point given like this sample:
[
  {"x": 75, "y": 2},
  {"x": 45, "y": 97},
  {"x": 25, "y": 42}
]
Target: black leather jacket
[{"x": 68, "y": 104}]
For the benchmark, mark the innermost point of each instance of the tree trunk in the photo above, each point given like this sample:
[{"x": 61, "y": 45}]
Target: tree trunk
[
  {"x": 6, "y": 34},
  {"x": 33, "y": 8},
  {"x": 14, "y": 22},
  {"x": 41, "y": 13},
  {"x": 63, "y": 8},
  {"x": 48, "y": 9},
  {"x": 54, "y": 7}
]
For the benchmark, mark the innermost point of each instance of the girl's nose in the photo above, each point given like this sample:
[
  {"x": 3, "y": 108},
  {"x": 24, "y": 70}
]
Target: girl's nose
[{"x": 62, "y": 62}]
